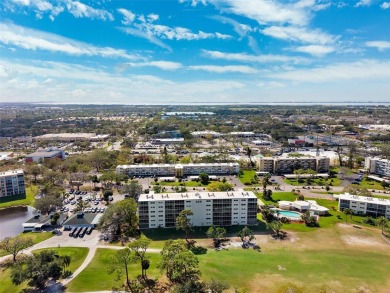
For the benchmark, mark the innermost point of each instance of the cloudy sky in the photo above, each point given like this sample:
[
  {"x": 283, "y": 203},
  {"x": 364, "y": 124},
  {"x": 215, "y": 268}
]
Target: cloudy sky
[{"x": 175, "y": 51}]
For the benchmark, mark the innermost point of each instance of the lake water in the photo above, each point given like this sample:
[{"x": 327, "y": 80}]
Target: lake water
[{"x": 11, "y": 220}]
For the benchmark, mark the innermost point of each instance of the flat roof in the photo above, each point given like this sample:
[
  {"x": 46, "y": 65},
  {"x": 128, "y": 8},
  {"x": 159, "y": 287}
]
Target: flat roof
[
  {"x": 177, "y": 165},
  {"x": 366, "y": 199},
  {"x": 11, "y": 172},
  {"x": 49, "y": 153},
  {"x": 196, "y": 195}
]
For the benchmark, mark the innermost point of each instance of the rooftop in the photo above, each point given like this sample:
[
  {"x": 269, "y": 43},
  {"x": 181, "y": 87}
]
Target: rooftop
[
  {"x": 176, "y": 165},
  {"x": 196, "y": 195},
  {"x": 11, "y": 172},
  {"x": 366, "y": 199}
]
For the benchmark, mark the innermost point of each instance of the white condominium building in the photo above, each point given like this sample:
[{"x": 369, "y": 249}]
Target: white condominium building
[
  {"x": 179, "y": 170},
  {"x": 209, "y": 208},
  {"x": 378, "y": 166},
  {"x": 12, "y": 183},
  {"x": 371, "y": 206},
  {"x": 283, "y": 165}
]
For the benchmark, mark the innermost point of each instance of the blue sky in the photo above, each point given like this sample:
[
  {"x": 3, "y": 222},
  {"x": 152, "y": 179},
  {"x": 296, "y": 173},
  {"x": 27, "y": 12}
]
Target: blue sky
[{"x": 175, "y": 51}]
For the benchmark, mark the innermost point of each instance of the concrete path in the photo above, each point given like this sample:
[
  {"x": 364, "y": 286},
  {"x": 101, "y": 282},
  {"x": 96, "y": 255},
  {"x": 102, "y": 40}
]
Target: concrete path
[{"x": 86, "y": 262}]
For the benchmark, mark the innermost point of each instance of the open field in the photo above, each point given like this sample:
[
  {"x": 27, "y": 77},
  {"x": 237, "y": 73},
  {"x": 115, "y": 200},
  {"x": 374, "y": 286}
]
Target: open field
[
  {"x": 342, "y": 259},
  {"x": 247, "y": 176},
  {"x": 370, "y": 184},
  {"x": 96, "y": 278},
  {"x": 77, "y": 257},
  {"x": 314, "y": 182},
  {"x": 330, "y": 220},
  {"x": 36, "y": 238},
  {"x": 19, "y": 200}
]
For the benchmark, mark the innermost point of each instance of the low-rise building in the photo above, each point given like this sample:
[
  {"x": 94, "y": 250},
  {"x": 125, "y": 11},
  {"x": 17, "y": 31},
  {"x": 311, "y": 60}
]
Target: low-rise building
[
  {"x": 303, "y": 206},
  {"x": 179, "y": 170},
  {"x": 208, "y": 208},
  {"x": 378, "y": 166},
  {"x": 49, "y": 153},
  {"x": 167, "y": 140},
  {"x": 70, "y": 137},
  {"x": 287, "y": 165},
  {"x": 12, "y": 183},
  {"x": 364, "y": 205},
  {"x": 81, "y": 220}
]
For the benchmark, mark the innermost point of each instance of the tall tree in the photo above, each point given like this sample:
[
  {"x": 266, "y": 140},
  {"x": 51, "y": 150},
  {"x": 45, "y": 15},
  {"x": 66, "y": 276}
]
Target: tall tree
[
  {"x": 183, "y": 222},
  {"x": 170, "y": 250},
  {"x": 119, "y": 264},
  {"x": 15, "y": 245},
  {"x": 384, "y": 223},
  {"x": 139, "y": 248},
  {"x": 246, "y": 234},
  {"x": 204, "y": 178},
  {"x": 120, "y": 219},
  {"x": 134, "y": 189},
  {"x": 39, "y": 268},
  {"x": 249, "y": 154},
  {"x": 216, "y": 233},
  {"x": 275, "y": 226}
]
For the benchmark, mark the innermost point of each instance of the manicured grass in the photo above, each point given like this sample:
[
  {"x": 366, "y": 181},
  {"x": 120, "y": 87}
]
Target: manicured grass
[
  {"x": 370, "y": 184},
  {"x": 276, "y": 196},
  {"x": 96, "y": 278},
  {"x": 248, "y": 269},
  {"x": 314, "y": 268},
  {"x": 314, "y": 182},
  {"x": 77, "y": 255},
  {"x": 19, "y": 200},
  {"x": 35, "y": 237},
  {"x": 247, "y": 176},
  {"x": 185, "y": 183}
]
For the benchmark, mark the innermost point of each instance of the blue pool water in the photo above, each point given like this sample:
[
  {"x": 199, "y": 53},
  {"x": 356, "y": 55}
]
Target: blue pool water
[{"x": 289, "y": 214}]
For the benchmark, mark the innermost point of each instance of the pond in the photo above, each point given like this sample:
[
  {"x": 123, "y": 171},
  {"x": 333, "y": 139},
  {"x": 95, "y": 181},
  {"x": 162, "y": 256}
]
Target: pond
[{"x": 11, "y": 220}]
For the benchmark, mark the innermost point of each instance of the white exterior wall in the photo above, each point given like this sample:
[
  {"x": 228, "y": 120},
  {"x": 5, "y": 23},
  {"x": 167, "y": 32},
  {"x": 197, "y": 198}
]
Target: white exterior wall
[
  {"x": 378, "y": 166},
  {"x": 239, "y": 211}
]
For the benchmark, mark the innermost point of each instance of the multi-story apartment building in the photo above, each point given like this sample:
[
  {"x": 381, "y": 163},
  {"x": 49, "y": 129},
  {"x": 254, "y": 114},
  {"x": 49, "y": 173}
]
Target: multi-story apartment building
[
  {"x": 287, "y": 165},
  {"x": 209, "y": 208},
  {"x": 179, "y": 170},
  {"x": 12, "y": 183},
  {"x": 378, "y": 166},
  {"x": 375, "y": 207}
]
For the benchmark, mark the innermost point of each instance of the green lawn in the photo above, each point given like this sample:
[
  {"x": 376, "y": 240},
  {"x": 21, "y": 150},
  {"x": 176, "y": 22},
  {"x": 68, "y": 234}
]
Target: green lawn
[
  {"x": 185, "y": 183},
  {"x": 315, "y": 182},
  {"x": 370, "y": 184},
  {"x": 21, "y": 199},
  {"x": 247, "y": 176},
  {"x": 96, "y": 278},
  {"x": 327, "y": 221},
  {"x": 36, "y": 238},
  {"x": 314, "y": 268},
  {"x": 246, "y": 269},
  {"x": 77, "y": 254}
]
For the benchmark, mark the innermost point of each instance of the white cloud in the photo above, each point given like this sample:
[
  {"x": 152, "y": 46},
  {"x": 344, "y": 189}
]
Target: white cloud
[
  {"x": 98, "y": 86},
  {"x": 145, "y": 35},
  {"x": 153, "y": 17},
  {"x": 315, "y": 50},
  {"x": 360, "y": 70},
  {"x": 267, "y": 11},
  {"x": 299, "y": 34},
  {"x": 29, "y": 39},
  {"x": 179, "y": 33},
  {"x": 225, "y": 69},
  {"x": 241, "y": 29},
  {"x": 379, "y": 45},
  {"x": 41, "y": 6},
  {"x": 242, "y": 57},
  {"x": 128, "y": 16},
  {"x": 385, "y": 5},
  {"x": 79, "y": 10},
  {"x": 165, "y": 65},
  {"x": 363, "y": 3}
]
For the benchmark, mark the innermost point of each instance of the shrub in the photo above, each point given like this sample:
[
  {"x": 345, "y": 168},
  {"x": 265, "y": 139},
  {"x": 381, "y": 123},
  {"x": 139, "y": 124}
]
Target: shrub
[{"x": 198, "y": 250}]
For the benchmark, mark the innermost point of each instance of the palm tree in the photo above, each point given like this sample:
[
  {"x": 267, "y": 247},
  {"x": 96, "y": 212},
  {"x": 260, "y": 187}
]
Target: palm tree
[
  {"x": 383, "y": 222},
  {"x": 347, "y": 212}
]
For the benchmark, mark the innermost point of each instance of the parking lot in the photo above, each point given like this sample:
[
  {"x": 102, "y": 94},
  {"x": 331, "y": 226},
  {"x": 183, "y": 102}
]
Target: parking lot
[{"x": 95, "y": 203}]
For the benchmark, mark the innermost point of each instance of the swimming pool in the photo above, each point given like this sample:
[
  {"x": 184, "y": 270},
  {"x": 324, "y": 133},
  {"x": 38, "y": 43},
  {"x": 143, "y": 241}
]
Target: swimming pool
[{"x": 289, "y": 214}]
